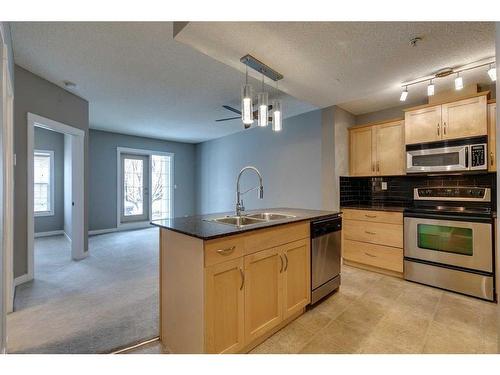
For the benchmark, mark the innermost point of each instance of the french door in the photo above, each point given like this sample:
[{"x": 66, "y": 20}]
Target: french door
[{"x": 134, "y": 188}]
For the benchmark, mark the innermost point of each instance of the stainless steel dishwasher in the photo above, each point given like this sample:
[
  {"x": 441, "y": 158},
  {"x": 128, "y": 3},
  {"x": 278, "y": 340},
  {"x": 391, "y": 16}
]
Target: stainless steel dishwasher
[{"x": 325, "y": 256}]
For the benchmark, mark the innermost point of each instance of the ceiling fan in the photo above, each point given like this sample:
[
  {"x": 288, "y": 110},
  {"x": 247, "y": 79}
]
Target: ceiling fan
[{"x": 255, "y": 115}]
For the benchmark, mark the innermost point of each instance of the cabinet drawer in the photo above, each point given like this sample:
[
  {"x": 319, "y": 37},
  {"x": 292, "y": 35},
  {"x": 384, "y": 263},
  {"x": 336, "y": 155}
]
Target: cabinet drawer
[
  {"x": 222, "y": 249},
  {"x": 385, "y": 257},
  {"x": 378, "y": 233},
  {"x": 375, "y": 216},
  {"x": 276, "y": 236}
]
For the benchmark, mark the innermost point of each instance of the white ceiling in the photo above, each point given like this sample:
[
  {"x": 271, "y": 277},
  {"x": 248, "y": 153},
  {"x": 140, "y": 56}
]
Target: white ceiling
[
  {"x": 357, "y": 65},
  {"x": 137, "y": 78}
]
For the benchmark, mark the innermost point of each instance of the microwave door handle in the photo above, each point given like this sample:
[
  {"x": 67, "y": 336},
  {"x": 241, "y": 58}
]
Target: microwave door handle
[{"x": 467, "y": 157}]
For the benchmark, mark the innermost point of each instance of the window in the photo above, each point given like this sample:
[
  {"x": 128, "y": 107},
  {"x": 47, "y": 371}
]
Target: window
[{"x": 43, "y": 183}]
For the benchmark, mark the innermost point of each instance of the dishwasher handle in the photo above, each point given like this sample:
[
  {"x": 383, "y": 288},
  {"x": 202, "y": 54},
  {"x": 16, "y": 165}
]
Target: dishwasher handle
[{"x": 325, "y": 226}]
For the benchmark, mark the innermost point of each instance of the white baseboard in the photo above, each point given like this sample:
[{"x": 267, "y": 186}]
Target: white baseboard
[
  {"x": 50, "y": 233},
  {"x": 121, "y": 228},
  {"x": 22, "y": 279}
]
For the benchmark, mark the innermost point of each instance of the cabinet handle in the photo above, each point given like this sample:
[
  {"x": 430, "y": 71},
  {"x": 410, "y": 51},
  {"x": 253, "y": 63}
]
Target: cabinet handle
[
  {"x": 438, "y": 128},
  {"x": 242, "y": 274},
  {"x": 492, "y": 158},
  {"x": 281, "y": 269},
  {"x": 378, "y": 166},
  {"x": 226, "y": 251},
  {"x": 286, "y": 264},
  {"x": 371, "y": 255},
  {"x": 370, "y": 216},
  {"x": 373, "y": 167},
  {"x": 444, "y": 128},
  {"x": 369, "y": 232}
]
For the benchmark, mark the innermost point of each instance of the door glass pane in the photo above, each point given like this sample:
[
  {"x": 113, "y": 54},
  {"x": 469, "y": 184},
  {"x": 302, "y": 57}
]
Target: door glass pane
[
  {"x": 133, "y": 187},
  {"x": 445, "y": 238},
  {"x": 161, "y": 180},
  {"x": 436, "y": 160}
]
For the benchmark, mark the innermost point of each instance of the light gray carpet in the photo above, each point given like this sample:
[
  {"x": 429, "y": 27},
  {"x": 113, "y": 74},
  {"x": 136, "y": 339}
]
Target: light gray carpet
[{"x": 106, "y": 301}]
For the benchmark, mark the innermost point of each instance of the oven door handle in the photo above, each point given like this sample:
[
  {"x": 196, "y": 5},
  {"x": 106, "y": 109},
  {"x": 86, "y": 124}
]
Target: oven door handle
[{"x": 475, "y": 219}]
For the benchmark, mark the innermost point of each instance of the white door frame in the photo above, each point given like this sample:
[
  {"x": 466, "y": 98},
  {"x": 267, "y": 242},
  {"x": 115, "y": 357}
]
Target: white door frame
[
  {"x": 149, "y": 153},
  {"x": 7, "y": 190},
  {"x": 78, "y": 250}
]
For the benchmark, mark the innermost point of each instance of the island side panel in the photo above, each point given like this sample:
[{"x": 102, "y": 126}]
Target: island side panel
[{"x": 181, "y": 292}]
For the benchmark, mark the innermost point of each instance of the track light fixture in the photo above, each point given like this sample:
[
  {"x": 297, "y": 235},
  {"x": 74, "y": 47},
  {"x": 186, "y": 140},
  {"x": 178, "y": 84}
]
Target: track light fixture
[
  {"x": 404, "y": 94},
  {"x": 459, "y": 81},
  {"x": 492, "y": 72}
]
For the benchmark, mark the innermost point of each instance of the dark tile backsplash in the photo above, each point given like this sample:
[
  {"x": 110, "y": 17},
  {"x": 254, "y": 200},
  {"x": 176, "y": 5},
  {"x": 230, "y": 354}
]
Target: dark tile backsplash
[{"x": 368, "y": 190}]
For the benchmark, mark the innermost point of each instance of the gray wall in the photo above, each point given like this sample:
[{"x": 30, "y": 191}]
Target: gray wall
[
  {"x": 290, "y": 162},
  {"x": 52, "y": 141},
  {"x": 103, "y": 174},
  {"x": 38, "y": 96}
]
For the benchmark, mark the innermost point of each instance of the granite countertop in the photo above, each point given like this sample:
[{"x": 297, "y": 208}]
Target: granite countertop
[
  {"x": 198, "y": 226},
  {"x": 375, "y": 207}
]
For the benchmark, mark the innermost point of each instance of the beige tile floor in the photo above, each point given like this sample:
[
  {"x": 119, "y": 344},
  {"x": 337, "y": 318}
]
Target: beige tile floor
[{"x": 373, "y": 313}]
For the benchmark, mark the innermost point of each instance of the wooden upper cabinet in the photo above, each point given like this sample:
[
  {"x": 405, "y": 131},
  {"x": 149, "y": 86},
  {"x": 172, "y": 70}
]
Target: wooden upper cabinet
[
  {"x": 361, "y": 161},
  {"x": 465, "y": 118},
  {"x": 492, "y": 137},
  {"x": 263, "y": 292},
  {"x": 423, "y": 125},
  {"x": 390, "y": 157},
  {"x": 297, "y": 278},
  {"x": 377, "y": 150},
  {"x": 224, "y": 307}
]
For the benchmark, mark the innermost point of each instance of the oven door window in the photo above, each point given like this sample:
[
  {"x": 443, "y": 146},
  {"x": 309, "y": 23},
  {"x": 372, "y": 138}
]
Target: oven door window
[
  {"x": 449, "y": 239},
  {"x": 436, "y": 160}
]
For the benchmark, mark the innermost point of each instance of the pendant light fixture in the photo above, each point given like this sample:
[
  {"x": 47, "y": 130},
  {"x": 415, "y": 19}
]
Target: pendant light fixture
[
  {"x": 277, "y": 116},
  {"x": 263, "y": 102},
  {"x": 430, "y": 89},
  {"x": 492, "y": 72},
  {"x": 246, "y": 103}
]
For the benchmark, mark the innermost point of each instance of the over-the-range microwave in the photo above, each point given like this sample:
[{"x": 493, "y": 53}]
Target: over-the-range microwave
[{"x": 468, "y": 154}]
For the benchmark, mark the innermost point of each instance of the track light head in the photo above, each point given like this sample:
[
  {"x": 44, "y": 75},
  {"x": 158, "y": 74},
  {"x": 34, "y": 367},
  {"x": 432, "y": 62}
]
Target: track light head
[{"x": 404, "y": 95}]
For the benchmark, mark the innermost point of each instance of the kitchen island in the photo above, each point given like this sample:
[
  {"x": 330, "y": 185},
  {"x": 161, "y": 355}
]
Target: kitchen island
[{"x": 226, "y": 288}]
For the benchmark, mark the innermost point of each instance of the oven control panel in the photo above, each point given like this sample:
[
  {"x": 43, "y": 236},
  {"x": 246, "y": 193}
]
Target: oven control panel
[{"x": 482, "y": 194}]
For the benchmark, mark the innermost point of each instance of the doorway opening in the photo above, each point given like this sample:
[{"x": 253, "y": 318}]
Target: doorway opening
[
  {"x": 55, "y": 185},
  {"x": 145, "y": 187}
]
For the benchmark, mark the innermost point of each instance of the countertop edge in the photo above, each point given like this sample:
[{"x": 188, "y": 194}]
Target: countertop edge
[{"x": 250, "y": 228}]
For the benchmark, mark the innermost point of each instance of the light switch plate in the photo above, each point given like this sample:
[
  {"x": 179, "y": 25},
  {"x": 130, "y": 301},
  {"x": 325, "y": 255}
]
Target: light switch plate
[{"x": 383, "y": 185}]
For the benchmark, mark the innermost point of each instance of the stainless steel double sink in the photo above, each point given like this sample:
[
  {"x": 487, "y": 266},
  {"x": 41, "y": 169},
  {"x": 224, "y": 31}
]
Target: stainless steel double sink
[{"x": 250, "y": 219}]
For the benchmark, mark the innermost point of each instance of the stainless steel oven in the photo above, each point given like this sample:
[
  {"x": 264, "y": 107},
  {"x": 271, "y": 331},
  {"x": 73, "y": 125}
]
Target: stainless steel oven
[
  {"x": 448, "y": 240},
  {"x": 447, "y": 156}
]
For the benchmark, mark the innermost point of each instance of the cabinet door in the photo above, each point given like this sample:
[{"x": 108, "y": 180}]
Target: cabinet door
[
  {"x": 263, "y": 292},
  {"x": 423, "y": 125},
  {"x": 390, "y": 149},
  {"x": 361, "y": 161},
  {"x": 297, "y": 276},
  {"x": 224, "y": 312},
  {"x": 465, "y": 118},
  {"x": 492, "y": 136}
]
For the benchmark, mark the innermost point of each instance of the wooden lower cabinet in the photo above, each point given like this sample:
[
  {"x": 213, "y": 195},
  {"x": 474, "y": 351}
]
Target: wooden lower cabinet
[
  {"x": 224, "y": 310},
  {"x": 251, "y": 296},
  {"x": 373, "y": 240},
  {"x": 263, "y": 292},
  {"x": 297, "y": 277}
]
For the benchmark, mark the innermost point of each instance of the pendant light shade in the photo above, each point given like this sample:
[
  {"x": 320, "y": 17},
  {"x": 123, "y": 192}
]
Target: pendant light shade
[
  {"x": 263, "y": 114},
  {"x": 277, "y": 116},
  {"x": 246, "y": 105}
]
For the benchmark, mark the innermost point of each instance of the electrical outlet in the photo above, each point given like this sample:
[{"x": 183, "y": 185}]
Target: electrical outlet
[{"x": 383, "y": 185}]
